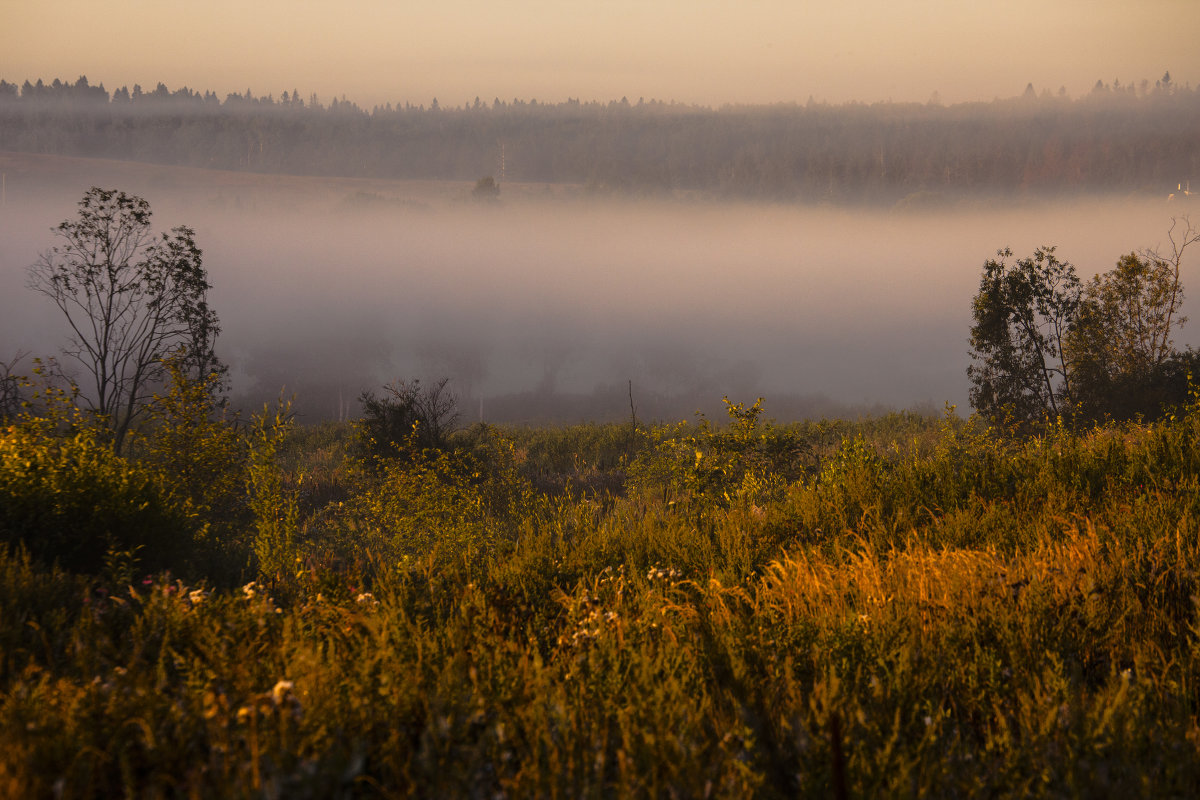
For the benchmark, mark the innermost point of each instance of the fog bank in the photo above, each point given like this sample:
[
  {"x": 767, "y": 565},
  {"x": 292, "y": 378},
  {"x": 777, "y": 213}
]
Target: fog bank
[{"x": 329, "y": 288}]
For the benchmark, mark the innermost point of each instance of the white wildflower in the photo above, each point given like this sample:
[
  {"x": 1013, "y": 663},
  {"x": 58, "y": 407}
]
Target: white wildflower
[{"x": 281, "y": 691}]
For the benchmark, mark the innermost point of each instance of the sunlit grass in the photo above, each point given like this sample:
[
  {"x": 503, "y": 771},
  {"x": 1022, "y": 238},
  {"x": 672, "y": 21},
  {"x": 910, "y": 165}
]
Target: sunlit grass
[{"x": 906, "y": 606}]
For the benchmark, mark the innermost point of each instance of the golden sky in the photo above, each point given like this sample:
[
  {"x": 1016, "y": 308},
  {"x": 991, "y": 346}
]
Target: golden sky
[{"x": 695, "y": 51}]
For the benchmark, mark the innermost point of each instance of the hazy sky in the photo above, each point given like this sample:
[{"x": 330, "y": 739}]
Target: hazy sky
[{"x": 697, "y": 51}]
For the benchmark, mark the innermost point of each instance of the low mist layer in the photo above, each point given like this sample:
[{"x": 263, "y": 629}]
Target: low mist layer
[{"x": 547, "y": 304}]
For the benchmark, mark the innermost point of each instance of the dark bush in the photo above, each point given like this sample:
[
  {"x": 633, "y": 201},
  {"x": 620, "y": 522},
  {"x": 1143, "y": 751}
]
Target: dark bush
[{"x": 407, "y": 419}]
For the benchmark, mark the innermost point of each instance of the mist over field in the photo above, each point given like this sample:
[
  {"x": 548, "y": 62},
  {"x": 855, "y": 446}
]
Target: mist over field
[{"x": 546, "y": 304}]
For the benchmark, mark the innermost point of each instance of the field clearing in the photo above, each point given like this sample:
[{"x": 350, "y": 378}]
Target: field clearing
[
  {"x": 52, "y": 177},
  {"x": 899, "y": 606}
]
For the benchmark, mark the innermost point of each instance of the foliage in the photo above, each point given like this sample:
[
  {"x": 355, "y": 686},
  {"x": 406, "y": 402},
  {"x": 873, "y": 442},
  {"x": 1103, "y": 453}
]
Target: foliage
[
  {"x": 954, "y": 611},
  {"x": 194, "y": 443},
  {"x": 1021, "y": 316},
  {"x": 175, "y": 499},
  {"x": 131, "y": 300},
  {"x": 590, "y": 459},
  {"x": 272, "y": 502},
  {"x": 408, "y": 419},
  {"x": 70, "y": 499},
  {"x": 465, "y": 503},
  {"x": 1120, "y": 346},
  {"x": 193, "y": 439},
  {"x": 1046, "y": 348},
  {"x": 703, "y": 469}
]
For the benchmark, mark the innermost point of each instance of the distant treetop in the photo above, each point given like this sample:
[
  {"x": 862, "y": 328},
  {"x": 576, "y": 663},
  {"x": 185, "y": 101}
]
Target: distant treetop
[{"x": 1127, "y": 137}]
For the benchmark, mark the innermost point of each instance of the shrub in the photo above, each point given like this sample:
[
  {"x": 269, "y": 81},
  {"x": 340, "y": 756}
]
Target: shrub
[
  {"x": 407, "y": 420},
  {"x": 71, "y": 499}
]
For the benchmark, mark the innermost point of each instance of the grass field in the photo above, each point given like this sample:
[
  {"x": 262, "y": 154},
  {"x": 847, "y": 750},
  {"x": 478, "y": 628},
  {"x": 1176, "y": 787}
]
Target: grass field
[{"x": 895, "y": 606}]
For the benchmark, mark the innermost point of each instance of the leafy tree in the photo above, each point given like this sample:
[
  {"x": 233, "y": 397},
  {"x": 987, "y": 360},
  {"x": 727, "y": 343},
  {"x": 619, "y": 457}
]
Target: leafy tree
[
  {"x": 1022, "y": 315},
  {"x": 1044, "y": 346},
  {"x": 1126, "y": 315},
  {"x": 131, "y": 300},
  {"x": 1124, "y": 362}
]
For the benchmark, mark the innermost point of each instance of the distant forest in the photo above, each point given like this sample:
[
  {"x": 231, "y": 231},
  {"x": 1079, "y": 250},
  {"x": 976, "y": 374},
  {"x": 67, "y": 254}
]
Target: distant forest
[{"x": 1137, "y": 137}]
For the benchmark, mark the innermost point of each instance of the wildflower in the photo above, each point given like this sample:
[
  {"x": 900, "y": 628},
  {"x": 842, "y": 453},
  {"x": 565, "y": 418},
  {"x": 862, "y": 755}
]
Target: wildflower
[
  {"x": 197, "y": 596},
  {"x": 250, "y": 590},
  {"x": 281, "y": 691},
  {"x": 366, "y": 599}
]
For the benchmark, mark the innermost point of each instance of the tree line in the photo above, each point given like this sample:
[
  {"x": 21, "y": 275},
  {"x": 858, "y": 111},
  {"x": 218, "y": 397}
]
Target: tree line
[{"x": 1120, "y": 137}]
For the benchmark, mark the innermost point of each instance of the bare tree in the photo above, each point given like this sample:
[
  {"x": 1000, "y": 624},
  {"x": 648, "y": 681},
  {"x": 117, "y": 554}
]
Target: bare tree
[
  {"x": 1180, "y": 240},
  {"x": 132, "y": 299}
]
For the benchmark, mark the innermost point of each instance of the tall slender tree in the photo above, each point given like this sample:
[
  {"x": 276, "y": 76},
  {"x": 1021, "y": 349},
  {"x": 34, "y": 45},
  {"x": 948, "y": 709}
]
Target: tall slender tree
[
  {"x": 1022, "y": 314},
  {"x": 131, "y": 300}
]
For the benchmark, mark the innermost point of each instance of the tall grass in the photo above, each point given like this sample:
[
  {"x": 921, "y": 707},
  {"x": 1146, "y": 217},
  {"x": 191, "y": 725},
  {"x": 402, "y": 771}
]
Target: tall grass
[{"x": 900, "y": 606}]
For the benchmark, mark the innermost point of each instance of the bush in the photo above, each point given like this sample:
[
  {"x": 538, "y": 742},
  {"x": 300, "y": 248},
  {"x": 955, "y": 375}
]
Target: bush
[
  {"x": 467, "y": 502},
  {"x": 748, "y": 463},
  {"x": 407, "y": 420},
  {"x": 72, "y": 500}
]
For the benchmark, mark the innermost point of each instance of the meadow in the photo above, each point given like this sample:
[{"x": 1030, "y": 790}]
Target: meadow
[{"x": 900, "y": 605}]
